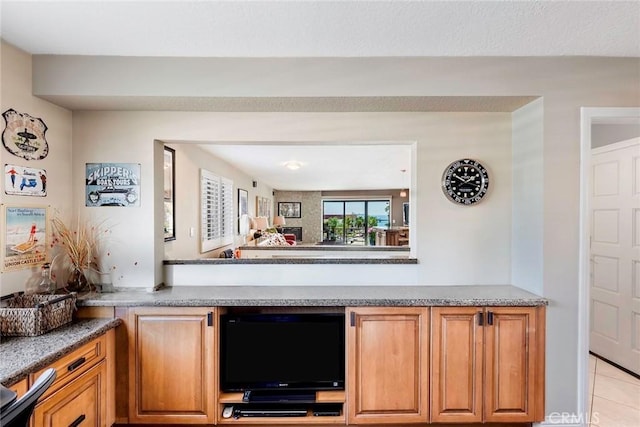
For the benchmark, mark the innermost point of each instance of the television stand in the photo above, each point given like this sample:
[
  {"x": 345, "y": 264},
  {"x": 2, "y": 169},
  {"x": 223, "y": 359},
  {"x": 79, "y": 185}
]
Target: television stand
[
  {"x": 325, "y": 407},
  {"x": 278, "y": 396},
  {"x": 285, "y": 410},
  {"x": 250, "y": 410}
]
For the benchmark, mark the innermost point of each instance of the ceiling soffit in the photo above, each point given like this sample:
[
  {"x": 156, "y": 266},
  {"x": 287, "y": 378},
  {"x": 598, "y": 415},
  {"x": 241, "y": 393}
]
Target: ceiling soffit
[{"x": 501, "y": 104}]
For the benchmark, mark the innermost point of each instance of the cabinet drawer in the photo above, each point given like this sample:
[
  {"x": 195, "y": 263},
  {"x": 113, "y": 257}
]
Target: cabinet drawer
[
  {"x": 75, "y": 363},
  {"x": 78, "y": 404}
]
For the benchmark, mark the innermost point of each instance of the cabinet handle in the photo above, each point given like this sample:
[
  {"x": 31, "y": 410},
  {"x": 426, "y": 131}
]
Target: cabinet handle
[
  {"x": 353, "y": 318},
  {"x": 480, "y": 318},
  {"x": 210, "y": 318},
  {"x": 76, "y": 364},
  {"x": 77, "y": 421},
  {"x": 490, "y": 318}
]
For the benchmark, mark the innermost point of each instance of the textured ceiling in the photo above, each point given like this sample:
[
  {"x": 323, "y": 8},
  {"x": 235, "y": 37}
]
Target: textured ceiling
[{"x": 324, "y": 28}]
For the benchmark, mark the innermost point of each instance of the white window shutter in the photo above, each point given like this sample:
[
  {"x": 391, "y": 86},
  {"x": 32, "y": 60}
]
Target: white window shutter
[{"x": 216, "y": 211}]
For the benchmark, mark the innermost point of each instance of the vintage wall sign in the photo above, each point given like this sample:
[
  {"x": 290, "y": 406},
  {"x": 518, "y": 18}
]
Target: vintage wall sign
[
  {"x": 24, "y": 135},
  {"x": 112, "y": 184},
  {"x": 25, "y": 237},
  {"x": 23, "y": 181}
]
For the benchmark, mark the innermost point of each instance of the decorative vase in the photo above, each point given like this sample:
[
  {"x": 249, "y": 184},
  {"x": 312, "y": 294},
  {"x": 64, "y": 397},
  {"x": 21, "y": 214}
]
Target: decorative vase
[
  {"x": 105, "y": 284},
  {"x": 77, "y": 281}
]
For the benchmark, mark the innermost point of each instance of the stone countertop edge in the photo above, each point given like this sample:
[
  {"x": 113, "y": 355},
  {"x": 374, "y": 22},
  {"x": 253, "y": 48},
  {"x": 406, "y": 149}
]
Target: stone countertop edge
[
  {"x": 290, "y": 260},
  {"x": 317, "y": 296},
  {"x": 327, "y": 248},
  {"x": 21, "y": 356}
]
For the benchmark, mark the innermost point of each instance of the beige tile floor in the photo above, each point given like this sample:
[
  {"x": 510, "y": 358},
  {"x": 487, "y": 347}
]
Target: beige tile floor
[{"x": 614, "y": 396}]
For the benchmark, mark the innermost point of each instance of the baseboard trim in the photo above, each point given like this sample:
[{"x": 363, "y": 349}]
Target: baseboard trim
[
  {"x": 564, "y": 419},
  {"x": 549, "y": 424},
  {"x": 622, "y": 368}
]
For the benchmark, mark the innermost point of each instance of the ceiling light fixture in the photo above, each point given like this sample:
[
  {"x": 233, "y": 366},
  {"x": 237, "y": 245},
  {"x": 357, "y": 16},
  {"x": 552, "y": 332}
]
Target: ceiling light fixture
[
  {"x": 293, "y": 165},
  {"x": 403, "y": 192}
]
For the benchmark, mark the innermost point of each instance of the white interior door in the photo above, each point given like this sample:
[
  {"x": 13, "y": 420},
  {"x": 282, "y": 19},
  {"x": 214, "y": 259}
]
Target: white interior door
[{"x": 615, "y": 253}]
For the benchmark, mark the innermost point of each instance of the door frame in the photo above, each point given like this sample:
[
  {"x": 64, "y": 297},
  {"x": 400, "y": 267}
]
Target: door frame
[{"x": 587, "y": 117}]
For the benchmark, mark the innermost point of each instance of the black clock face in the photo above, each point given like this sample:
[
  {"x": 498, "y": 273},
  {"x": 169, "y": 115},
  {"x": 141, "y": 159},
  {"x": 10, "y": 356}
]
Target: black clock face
[{"x": 465, "y": 182}]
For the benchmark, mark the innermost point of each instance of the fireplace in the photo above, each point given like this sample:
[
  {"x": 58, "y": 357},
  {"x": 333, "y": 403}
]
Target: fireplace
[{"x": 293, "y": 230}]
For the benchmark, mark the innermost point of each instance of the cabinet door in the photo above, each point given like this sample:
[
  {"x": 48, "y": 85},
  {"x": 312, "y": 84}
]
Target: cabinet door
[
  {"x": 80, "y": 403},
  {"x": 456, "y": 364},
  {"x": 514, "y": 364},
  {"x": 171, "y": 365},
  {"x": 388, "y": 365}
]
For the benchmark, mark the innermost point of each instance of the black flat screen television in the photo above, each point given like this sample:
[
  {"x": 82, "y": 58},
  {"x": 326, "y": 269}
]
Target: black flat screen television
[{"x": 282, "y": 352}]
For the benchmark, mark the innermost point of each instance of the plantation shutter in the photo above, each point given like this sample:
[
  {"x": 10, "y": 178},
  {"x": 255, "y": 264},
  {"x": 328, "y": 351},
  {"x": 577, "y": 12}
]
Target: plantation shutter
[
  {"x": 226, "y": 205},
  {"x": 216, "y": 211}
]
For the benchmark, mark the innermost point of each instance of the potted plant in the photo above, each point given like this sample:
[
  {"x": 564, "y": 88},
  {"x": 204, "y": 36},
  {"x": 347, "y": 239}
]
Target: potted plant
[
  {"x": 332, "y": 224},
  {"x": 373, "y": 221}
]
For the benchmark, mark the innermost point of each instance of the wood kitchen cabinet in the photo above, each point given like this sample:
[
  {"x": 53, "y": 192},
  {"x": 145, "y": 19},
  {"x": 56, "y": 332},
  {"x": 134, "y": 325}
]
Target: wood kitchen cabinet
[
  {"x": 394, "y": 236},
  {"x": 82, "y": 393},
  {"x": 388, "y": 365},
  {"x": 171, "y": 365},
  {"x": 487, "y": 364},
  {"x": 79, "y": 403}
]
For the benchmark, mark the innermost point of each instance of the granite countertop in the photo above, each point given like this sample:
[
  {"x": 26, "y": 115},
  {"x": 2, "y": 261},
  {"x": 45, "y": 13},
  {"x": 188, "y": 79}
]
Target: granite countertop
[
  {"x": 302, "y": 259},
  {"x": 20, "y": 356},
  {"x": 352, "y": 296},
  {"x": 310, "y": 254},
  {"x": 328, "y": 248}
]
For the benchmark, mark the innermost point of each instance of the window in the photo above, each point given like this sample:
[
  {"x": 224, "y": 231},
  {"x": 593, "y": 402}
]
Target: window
[
  {"x": 216, "y": 210},
  {"x": 349, "y": 222}
]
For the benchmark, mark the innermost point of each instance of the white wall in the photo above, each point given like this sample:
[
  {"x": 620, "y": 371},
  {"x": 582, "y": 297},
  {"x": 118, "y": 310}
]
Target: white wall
[
  {"x": 16, "y": 94},
  {"x": 448, "y": 236},
  {"x": 527, "y": 264}
]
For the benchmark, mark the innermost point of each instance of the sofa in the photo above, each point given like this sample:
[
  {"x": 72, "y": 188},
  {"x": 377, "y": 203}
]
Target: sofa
[
  {"x": 290, "y": 238},
  {"x": 265, "y": 235}
]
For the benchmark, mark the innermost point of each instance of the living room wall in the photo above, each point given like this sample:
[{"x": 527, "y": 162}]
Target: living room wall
[
  {"x": 189, "y": 159},
  {"x": 311, "y": 209}
]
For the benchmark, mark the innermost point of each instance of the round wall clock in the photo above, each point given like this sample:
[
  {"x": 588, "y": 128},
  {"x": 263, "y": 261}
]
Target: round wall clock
[{"x": 465, "y": 182}]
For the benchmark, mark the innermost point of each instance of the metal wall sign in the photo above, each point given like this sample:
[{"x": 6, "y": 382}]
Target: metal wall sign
[
  {"x": 23, "y": 181},
  {"x": 24, "y": 135},
  {"x": 113, "y": 184},
  {"x": 24, "y": 238}
]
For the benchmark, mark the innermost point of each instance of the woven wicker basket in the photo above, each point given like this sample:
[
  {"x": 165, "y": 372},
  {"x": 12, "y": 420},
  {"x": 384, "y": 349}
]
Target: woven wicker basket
[{"x": 31, "y": 315}]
